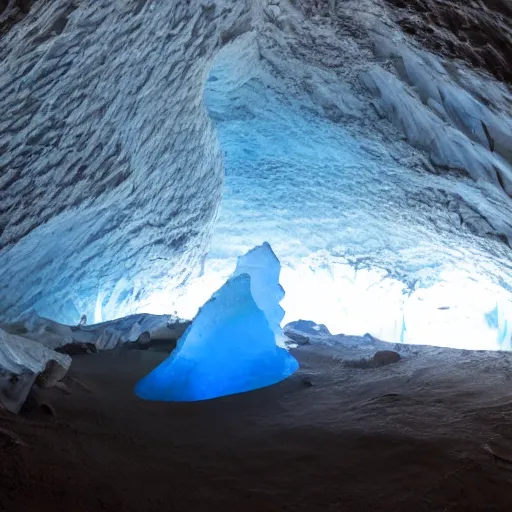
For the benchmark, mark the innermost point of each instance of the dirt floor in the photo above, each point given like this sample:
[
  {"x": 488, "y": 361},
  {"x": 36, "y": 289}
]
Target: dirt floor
[{"x": 412, "y": 436}]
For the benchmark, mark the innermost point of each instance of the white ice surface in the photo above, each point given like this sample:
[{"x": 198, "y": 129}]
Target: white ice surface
[{"x": 18, "y": 355}]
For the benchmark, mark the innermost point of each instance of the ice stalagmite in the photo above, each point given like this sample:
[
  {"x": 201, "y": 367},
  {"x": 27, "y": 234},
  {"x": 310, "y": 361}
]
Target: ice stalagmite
[{"x": 230, "y": 347}]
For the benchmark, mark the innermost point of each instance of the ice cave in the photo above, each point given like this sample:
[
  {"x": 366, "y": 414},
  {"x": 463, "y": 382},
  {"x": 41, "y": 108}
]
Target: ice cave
[
  {"x": 211, "y": 197},
  {"x": 380, "y": 175}
]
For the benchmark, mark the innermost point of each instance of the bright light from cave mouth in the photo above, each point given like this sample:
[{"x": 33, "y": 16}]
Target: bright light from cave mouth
[
  {"x": 458, "y": 311},
  {"x": 314, "y": 191}
]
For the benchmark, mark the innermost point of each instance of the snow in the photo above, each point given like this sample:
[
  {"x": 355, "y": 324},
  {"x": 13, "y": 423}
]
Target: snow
[
  {"x": 104, "y": 336},
  {"x": 230, "y": 346},
  {"x": 18, "y": 354}
]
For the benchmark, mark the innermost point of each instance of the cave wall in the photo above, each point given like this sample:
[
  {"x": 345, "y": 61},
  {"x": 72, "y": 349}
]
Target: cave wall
[
  {"x": 363, "y": 159},
  {"x": 110, "y": 170},
  {"x": 343, "y": 140},
  {"x": 476, "y": 31},
  {"x": 12, "y": 12}
]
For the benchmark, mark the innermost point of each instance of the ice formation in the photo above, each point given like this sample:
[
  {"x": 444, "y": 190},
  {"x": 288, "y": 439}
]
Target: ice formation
[
  {"x": 381, "y": 179},
  {"x": 264, "y": 268},
  {"x": 230, "y": 346},
  {"x": 380, "y": 173},
  {"x": 110, "y": 170},
  {"x": 104, "y": 336},
  {"x": 21, "y": 362}
]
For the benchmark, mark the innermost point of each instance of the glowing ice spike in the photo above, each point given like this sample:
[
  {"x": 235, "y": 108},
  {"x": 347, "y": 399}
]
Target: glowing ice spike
[
  {"x": 229, "y": 348},
  {"x": 264, "y": 268}
]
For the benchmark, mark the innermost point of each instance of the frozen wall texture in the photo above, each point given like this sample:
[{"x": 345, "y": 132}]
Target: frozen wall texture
[
  {"x": 478, "y": 31},
  {"x": 110, "y": 171},
  {"x": 381, "y": 173}
]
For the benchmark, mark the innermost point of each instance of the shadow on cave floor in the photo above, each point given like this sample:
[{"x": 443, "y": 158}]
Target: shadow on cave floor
[{"x": 416, "y": 435}]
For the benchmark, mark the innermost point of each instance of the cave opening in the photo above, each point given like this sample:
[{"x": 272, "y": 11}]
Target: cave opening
[
  {"x": 368, "y": 241},
  {"x": 357, "y": 254}
]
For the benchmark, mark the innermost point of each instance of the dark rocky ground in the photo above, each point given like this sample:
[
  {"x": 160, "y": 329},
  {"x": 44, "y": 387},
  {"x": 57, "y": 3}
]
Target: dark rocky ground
[{"x": 430, "y": 432}]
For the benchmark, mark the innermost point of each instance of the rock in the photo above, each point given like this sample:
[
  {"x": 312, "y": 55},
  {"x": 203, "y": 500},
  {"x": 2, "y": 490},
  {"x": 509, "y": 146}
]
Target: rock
[
  {"x": 379, "y": 359},
  {"x": 385, "y": 357},
  {"x": 144, "y": 341},
  {"x": 144, "y": 338},
  {"x": 300, "y": 331},
  {"x": 14, "y": 389},
  {"x": 307, "y": 327},
  {"x": 78, "y": 348},
  {"x": 52, "y": 373},
  {"x": 48, "y": 409},
  {"x": 297, "y": 337},
  {"x": 36, "y": 401}
]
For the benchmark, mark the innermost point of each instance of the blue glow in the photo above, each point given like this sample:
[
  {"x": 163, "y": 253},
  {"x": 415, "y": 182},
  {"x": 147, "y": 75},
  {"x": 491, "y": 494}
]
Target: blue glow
[
  {"x": 230, "y": 348},
  {"x": 368, "y": 242}
]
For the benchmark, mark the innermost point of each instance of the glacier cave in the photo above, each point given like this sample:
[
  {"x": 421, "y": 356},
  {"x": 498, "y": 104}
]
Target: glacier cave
[
  {"x": 310, "y": 200},
  {"x": 370, "y": 242},
  {"x": 376, "y": 186}
]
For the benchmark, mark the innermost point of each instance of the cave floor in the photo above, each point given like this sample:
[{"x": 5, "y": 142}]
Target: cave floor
[{"x": 416, "y": 435}]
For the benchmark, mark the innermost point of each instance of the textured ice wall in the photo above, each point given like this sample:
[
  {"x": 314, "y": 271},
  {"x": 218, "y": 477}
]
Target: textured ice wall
[
  {"x": 375, "y": 169},
  {"x": 110, "y": 171},
  {"x": 364, "y": 161}
]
